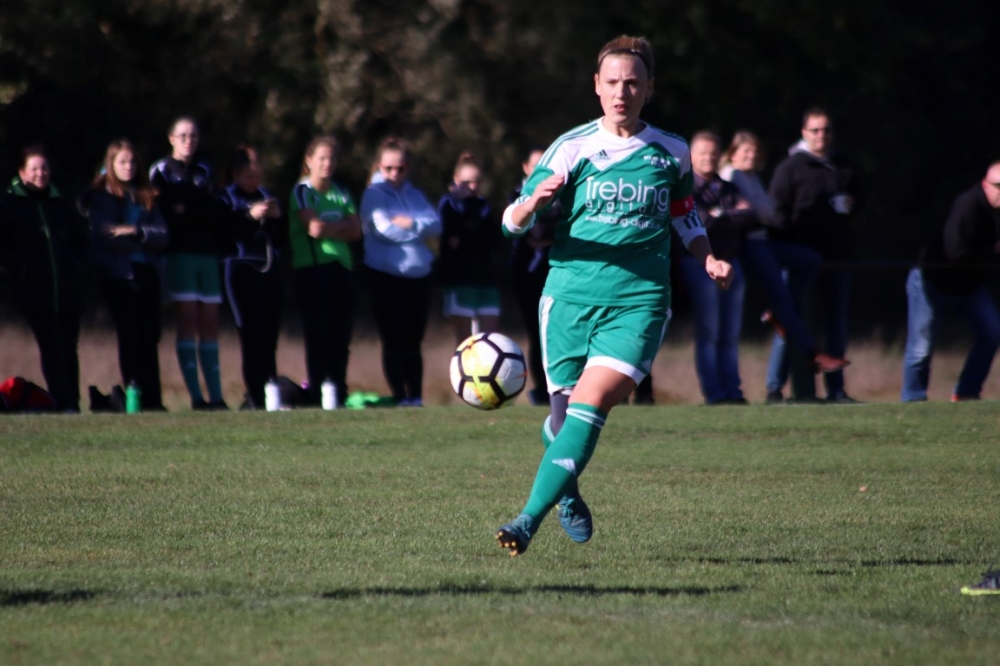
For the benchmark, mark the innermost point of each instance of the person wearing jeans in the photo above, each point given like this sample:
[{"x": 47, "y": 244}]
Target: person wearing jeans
[
  {"x": 955, "y": 265},
  {"x": 718, "y": 314},
  {"x": 785, "y": 271}
]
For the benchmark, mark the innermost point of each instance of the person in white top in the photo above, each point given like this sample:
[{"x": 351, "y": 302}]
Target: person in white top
[{"x": 397, "y": 220}]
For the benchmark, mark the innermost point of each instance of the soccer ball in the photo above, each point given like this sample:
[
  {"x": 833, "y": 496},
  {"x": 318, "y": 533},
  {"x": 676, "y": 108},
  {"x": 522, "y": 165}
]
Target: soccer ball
[{"x": 488, "y": 370}]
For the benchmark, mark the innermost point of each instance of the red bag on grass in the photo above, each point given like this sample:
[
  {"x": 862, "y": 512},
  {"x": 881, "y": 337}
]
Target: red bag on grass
[{"x": 17, "y": 394}]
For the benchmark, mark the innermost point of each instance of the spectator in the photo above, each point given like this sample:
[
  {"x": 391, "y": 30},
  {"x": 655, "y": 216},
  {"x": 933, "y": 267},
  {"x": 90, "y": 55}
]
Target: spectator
[
  {"x": 529, "y": 266},
  {"x": 397, "y": 220},
  {"x": 955, "y": 265},
  {"x": 766, "y": 259},
  {"x": 465, "y": 265},
  {"x": 323, "y": 220},
  {"x": 43, "y": 247},
  {"x": 251, "y": 274},
  {"x": 815, "y": 195},
  {"x": 718, "y": 313},
  {"x": 193, "y": 218},
  {"x": 127, "y": 235}
]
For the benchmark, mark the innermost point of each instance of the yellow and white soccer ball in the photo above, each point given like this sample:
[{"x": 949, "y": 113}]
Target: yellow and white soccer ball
[{"x": 488, "y": 370}]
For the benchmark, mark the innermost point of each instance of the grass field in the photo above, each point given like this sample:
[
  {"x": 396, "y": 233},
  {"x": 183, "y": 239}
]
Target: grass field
[{"x": 753, "y": 535}]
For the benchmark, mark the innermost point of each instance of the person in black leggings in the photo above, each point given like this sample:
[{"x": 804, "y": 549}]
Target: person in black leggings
[
  {"x": 128, "y": 234},
  {"x": 397, "y": 220},
  {"x": 252, "y": 279}
]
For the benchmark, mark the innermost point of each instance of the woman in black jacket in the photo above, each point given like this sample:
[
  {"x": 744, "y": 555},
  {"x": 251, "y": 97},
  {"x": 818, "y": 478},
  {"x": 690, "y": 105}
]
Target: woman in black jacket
[
  {"x": 127, "y": 235},
  {"x": 43, "y": 247}
]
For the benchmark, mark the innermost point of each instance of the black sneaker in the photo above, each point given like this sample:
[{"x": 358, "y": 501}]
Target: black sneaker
[
  {"x": 774, "y": 398},
  {"x": 990, "y": 584},
  {"x": 201, "y": 405}
]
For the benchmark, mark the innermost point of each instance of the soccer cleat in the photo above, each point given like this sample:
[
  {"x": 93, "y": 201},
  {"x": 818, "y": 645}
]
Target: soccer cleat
[
  {"x": 516, "y": 535},
  {"x": 826, "y": 363},
  {"x": 963, "y": 398},
  {"x": 575, "y": 518},
  {"x": 990, "y": 584}
]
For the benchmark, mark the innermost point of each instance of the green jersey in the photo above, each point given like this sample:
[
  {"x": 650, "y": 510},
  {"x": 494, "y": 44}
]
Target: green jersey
[
  {"x": 330, "y": 206},
  {"x": 619, "y": 198}
]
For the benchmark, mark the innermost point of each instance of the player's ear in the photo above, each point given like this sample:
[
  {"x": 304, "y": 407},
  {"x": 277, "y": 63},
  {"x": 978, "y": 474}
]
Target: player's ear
[
  {"x": 597, "y": 84},
  {"x": 649, "y": 91}
]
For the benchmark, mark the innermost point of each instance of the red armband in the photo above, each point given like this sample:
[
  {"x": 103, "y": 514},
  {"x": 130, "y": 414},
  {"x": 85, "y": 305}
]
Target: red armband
[{"x": 681, "y": 207}]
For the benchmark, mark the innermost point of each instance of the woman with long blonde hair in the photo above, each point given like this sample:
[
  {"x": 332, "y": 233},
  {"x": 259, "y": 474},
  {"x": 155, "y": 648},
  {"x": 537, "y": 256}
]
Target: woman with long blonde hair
[{"x": 128, "y": 235}]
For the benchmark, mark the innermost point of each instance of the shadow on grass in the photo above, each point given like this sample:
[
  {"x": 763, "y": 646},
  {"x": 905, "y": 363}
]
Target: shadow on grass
[
  {"x": 576, "y": 590},
  {"x": 24, "y": 597}
]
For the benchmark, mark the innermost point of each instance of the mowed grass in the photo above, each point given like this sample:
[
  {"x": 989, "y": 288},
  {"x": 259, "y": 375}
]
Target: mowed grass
[{"x": 748, "y": 535}]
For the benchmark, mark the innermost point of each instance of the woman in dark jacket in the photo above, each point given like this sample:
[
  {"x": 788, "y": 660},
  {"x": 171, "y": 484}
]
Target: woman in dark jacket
[
  {"x": 252, "y": 270},
  {"x": 43, "y": 247},
  {"x": 127, "y": 234},
  {"x": 727, "y": 218}
]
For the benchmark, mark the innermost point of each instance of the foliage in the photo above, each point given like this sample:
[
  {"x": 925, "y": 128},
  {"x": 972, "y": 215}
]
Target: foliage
[{"x": 910, "y": 87}]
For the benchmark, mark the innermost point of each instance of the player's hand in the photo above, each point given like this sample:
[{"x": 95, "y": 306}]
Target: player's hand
[
  {"x": 545, "y": 192},
  {"x": 259, "y": 210},
  {"x": 721, "y": 272},
  {"x": 403, "y": 221},
  {"x": 121, "y": 230}
]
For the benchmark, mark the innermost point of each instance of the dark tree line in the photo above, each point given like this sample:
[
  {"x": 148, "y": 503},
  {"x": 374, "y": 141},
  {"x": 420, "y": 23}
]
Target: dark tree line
[{"x": 911, "y": 87}]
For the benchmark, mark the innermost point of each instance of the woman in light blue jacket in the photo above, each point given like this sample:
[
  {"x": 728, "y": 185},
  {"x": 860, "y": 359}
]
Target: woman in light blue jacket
[{"x": 397, "y": 221}]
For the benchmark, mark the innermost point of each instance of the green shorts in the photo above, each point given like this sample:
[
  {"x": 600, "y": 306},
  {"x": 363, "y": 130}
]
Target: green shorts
[
  {"x": 624, "y": 338},
  {"x": 193, "y": 277},
  {"x": 471, "y": 301}
]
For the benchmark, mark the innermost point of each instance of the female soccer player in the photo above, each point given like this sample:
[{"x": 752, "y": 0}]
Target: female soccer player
[
  {"x": 193, "y": 217},
  {"x": 252, "y": 272},
  {"x": 606, "y": 303},
  {"x": 468, "y": 237},
  {"x": 323, "y": 221}
]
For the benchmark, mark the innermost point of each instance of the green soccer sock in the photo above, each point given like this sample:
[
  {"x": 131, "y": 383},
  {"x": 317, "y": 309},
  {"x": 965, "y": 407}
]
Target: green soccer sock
[
  {"x": 208, "y": 356},
  {"x": 566, "y": 458},
  {"x": 570, "y": 489},
  {"x": 187, "y": 358}
]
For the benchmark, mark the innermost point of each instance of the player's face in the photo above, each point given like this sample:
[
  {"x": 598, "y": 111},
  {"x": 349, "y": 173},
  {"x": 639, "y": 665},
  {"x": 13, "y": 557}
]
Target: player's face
[
  {"x": 124, "y": 166},
  {"x": 35, "y": 172},
  {"x": 322, "y": 162},
  {"x": 818, "y": 134},
  {"x": 745, "y": 157},
  {"x": 704, "y": 157},
  {"x": 623, "y": 85},
  {"x": 392, "y": 166},
  {"x": 529, "y": 164},
  {"x": 184, "y": 140},
  {"x": 991, "y": 186},
  {"x": 467, "y": 180},
  {"x": 249, "y": 177}
]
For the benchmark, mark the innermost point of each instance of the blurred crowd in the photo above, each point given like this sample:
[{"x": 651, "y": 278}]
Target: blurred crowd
[{"x": 175, "y": 231}]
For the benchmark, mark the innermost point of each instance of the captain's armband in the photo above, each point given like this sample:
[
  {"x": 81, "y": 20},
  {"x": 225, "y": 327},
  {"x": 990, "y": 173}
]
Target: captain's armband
[{"x": 686, "y": 221}]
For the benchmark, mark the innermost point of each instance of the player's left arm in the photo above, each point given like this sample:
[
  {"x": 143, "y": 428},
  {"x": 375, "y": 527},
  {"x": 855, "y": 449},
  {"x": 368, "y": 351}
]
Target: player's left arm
[{"x": 688, "y": 225}]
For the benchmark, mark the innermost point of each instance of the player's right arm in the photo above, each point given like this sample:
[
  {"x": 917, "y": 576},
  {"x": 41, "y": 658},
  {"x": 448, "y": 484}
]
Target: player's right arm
[{"x": 518, "y": 216}]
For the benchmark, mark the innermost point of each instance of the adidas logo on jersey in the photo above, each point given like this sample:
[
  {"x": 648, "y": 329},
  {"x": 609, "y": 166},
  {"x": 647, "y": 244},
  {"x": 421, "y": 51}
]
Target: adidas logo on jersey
[{"x": 600, "y": 157}]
